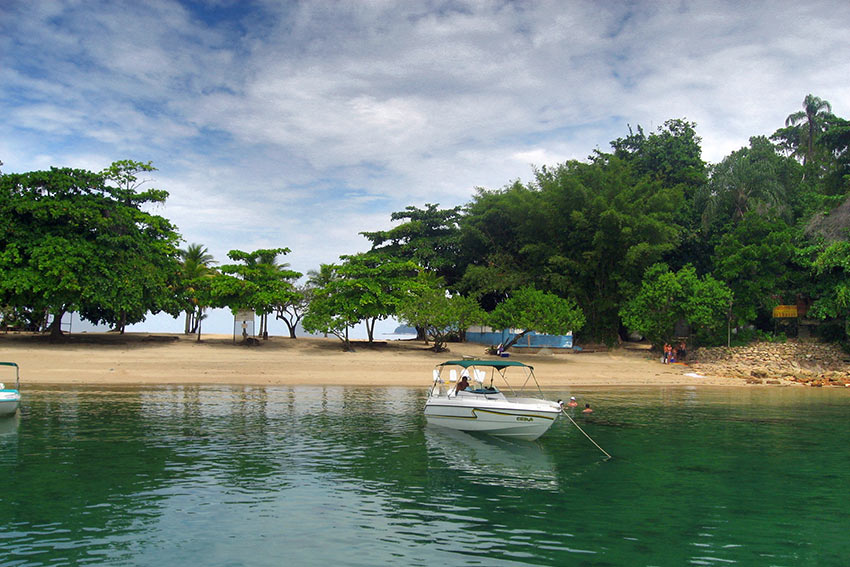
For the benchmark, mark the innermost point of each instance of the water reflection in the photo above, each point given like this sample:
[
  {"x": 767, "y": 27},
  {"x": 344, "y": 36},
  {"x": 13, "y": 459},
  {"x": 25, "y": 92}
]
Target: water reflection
[
  {"x": 9, "y": 424},
  {"x": 492, "y": 461}
]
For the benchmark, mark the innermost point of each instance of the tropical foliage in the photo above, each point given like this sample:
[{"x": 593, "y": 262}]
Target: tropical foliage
[
  {"x": 73, "y": 240},
  {"x": 530, "y": 309},
  {"x": 265, "y": 284},
  {"x": 637, "y": 238},
  {"x": 440, "y": 314},
  {"x": 363, "y": 288},
  {"x": 667, "y": 298},
  {"x": 195, "y": 266}
]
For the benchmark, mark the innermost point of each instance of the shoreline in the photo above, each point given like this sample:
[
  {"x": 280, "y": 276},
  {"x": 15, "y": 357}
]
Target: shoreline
[{"x": 137, "y": 359}]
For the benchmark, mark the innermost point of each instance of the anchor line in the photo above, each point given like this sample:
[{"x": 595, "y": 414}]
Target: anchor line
[{"x": 585, "y": 434}]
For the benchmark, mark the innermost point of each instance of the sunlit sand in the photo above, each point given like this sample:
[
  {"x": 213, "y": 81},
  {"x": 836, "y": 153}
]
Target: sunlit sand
[{"x": 217, "y": 359}]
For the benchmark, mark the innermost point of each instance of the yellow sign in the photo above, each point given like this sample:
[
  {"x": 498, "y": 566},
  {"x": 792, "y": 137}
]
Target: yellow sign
[{"x": 785, "y": 311}]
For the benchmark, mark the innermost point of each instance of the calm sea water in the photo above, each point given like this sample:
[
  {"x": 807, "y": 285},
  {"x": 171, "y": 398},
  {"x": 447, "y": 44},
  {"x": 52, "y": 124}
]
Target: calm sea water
[{"x": 220, "y": 476}]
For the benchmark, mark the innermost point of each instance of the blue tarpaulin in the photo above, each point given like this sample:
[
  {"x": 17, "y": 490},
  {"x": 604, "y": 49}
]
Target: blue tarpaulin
[{"x": 487, "y": 336}]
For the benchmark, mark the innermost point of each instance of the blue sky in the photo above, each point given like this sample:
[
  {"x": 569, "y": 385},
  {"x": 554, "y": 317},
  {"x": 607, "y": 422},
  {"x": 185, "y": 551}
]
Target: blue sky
[{"x": 300, "y": 124}]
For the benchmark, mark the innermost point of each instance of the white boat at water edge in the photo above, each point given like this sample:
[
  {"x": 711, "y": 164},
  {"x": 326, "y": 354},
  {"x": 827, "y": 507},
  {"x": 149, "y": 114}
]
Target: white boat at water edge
[
  {"x": 460, "y": 400},
  {"x": 10, "y": 398}
]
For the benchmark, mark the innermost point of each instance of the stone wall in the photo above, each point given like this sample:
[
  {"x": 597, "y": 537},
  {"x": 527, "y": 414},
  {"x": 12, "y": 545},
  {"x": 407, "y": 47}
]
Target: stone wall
[{"x": 814, "y": 364}]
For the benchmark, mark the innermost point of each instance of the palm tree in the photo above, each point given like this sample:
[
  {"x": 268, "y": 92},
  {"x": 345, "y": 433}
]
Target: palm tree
[
  {"x": 318, "y": 279},
  {"x": 321, "y": 277},
  {"x": 196, "y": 262},
  {"x": 749, "y": 179},
  {"x": 810, "y": 122}
]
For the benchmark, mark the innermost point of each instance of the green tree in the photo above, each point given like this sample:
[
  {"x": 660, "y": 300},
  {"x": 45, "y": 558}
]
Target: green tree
[
  {"x": 332, "y": 308},
  {"x": 832, "y": 268},
  {"x": 809, "y": 122},
  {"x": 757, "y": 261},
  {"x": 836, "y": 142},
  {"x": 293, "y": 310},
  {"x": 530, "y": 309},
  {"x": 323, "y": 276},
  {"x": 673, "y": 157},
  {"x": 672, "y": 154},
  {"x": 364, "y": 287},
  {"x": 439, "y": 313},
  {"x": 196, "y": 262},
  {"x": 72, "y": 241},
  {"x": 586, "y": 230},
  {"x": 750, "y": 179},
  {"x": 377, "y": 282},
  {"x": 497, "y": 232},
  {"x": 273, "y": 282},
  {"x": 667, "y": 297},
  {"x": 429, "y": 237},
  {"x": 316, "y": 280}
]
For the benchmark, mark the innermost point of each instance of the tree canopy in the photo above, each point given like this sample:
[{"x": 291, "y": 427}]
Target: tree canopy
[
  {"x": 531, "y": 309},
  {"x": 667, "y": 297},
  {"x": 74, "y": 241},
  {"x": 629, "y": 239}
]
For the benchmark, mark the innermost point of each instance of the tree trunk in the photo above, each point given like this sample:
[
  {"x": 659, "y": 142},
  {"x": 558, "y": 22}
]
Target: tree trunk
[
  {"x": 370, "y": 329},
  {"x": 56, "y": 325},
  {"x": 515, "y": 340},
  {"x": 196, "y": 320}
]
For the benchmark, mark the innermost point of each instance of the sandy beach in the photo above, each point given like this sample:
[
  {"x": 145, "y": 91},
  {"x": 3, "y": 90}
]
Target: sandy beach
[{"x": 136, "y": 359}]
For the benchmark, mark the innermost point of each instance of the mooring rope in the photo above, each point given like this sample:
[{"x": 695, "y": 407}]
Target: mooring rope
[{"x": 585, "y": 434}]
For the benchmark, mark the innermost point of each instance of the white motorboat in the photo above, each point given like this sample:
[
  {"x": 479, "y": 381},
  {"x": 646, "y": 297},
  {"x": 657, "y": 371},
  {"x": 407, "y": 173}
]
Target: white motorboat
[
  {"x": 10, "y": 398},
  {"x": 459, "y": 399}
]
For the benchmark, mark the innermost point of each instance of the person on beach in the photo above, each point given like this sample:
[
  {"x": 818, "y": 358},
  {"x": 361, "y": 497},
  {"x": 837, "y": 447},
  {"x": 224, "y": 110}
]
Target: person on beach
[
  {"x": 683, "y": 352},
  {"x": 572, "y": 403},
  {"x": 666, "y": 356},
  {"x": 587, "y": 409}
]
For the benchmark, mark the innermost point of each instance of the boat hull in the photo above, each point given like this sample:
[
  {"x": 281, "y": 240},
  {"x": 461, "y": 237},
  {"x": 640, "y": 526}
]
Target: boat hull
[
  {"x": 9, "y": 401},
  {"x": 516, "y": 420}
]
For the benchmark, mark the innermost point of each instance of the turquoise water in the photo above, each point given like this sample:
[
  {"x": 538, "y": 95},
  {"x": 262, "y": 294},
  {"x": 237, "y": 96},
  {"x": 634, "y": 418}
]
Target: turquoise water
[{"x": 221, "y": 476}]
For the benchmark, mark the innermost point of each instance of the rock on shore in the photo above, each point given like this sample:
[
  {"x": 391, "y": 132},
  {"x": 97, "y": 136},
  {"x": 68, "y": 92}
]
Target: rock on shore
[{"x": 811, "y": 364}]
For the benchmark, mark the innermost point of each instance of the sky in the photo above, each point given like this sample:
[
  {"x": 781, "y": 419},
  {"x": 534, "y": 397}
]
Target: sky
[{"x": 300, "y": 124}]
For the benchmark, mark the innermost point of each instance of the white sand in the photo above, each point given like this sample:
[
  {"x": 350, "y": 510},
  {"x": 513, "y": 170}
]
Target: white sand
[{"x": 159, "y": 359}]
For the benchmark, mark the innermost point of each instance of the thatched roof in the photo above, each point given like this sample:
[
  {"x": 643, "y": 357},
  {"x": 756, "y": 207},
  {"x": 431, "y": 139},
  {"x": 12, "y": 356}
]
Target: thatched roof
[{"x": 834, "y": 226}]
